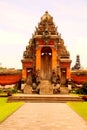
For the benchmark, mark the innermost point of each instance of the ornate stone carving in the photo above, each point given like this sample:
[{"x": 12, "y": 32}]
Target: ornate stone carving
[
  {"x": 46, "y": 36},
  {"x": 46, "y": 24},
  {"x": 27, "y": 53}
]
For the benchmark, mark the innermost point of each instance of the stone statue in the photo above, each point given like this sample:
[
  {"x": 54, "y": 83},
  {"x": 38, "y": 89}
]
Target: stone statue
[{"x": 28, "y": 52}]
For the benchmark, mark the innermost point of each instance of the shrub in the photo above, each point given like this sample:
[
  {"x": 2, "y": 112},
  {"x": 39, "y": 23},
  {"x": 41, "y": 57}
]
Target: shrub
[
  {"x": 1, "y": 91},
  {"x": 11, "y": 91},
  {"x": 84, "y": 97},
  {"x": 83, "y": 89},
  {"x": 14, "y": 90}
]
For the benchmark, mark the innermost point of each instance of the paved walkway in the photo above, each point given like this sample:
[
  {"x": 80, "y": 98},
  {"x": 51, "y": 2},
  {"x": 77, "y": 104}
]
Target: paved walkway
[{"x": 44, "y": 116}]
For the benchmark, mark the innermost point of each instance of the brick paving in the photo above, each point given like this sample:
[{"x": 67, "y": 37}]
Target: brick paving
[{"x": 44, "y": 116}]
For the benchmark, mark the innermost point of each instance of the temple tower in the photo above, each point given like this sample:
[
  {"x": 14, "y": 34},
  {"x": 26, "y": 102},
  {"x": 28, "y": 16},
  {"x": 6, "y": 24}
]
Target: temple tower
[
  {"x": 46, "y": 53},
  {"x": 77, "y": 65}
]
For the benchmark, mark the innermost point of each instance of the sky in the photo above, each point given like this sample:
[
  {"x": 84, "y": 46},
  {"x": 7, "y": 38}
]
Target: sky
[{"x": 18, "y": 19}]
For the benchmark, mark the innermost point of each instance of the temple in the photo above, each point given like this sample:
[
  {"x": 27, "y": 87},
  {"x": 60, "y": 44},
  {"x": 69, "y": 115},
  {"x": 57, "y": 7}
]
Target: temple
[{"x": 46, "y": 55}]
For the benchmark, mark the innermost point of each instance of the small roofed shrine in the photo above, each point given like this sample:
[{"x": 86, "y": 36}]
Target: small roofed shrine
[{"x": 46, "y": 55}]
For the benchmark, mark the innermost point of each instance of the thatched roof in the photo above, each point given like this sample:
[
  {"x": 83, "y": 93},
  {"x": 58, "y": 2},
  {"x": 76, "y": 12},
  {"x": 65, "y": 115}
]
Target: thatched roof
[
  {"x": 79, "y": 72},
  {"x": 9, "y": 71}
]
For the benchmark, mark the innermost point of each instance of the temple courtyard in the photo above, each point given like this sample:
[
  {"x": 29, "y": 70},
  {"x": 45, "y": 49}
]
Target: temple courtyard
[{"x": 44, "y": 116}]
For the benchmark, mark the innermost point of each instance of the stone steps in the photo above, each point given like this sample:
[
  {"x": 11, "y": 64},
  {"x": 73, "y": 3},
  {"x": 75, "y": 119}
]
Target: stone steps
[
  {"x": 45, "y": 88},
  {"x": 45, "y": 98},
  {"x": 64, "y": 90}
]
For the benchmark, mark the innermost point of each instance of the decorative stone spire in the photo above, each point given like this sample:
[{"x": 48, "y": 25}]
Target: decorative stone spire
[
  {"x": 77, "y": 65},
  {"x": 46, "y": 17},
  {"x": 46, "y": 25}
]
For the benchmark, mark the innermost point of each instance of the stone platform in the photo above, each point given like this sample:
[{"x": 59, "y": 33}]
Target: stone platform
[{"x": 44, "y": 98}]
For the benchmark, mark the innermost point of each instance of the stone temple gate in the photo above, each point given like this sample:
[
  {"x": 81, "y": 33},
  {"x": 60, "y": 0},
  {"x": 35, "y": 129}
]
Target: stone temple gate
[{"x": 46, "y": 53}]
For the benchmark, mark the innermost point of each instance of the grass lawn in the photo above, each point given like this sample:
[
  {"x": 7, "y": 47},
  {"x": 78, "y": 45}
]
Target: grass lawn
[
  {"x": 80, "y": 108},
  {"x": 7, "y": 109}
]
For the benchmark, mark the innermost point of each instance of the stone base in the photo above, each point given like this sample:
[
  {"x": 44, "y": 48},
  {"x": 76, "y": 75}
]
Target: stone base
[{"x": 27, "y": 89}]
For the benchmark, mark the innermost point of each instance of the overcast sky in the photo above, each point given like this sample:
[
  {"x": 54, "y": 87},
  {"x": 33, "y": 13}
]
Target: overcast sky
[{"x": 18, "y": 19}]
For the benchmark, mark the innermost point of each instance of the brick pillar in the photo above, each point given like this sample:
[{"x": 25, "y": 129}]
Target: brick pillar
[
  {"x": 68, "y": 75},
  {"x": 54, "y": 59},
  {"x": 38, "y": 59},
  {"x": 24, "y": 73}
]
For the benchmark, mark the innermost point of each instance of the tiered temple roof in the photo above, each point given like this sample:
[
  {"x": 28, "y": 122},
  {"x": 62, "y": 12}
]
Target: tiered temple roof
[{"x": 46, "y": 31}]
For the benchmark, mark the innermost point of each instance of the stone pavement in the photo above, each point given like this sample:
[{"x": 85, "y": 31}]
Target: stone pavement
[{"x": 44, "y": 116}]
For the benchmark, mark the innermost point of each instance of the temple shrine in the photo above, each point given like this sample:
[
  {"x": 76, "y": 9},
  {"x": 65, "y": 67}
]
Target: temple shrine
[{"x": 46, "y": 56}]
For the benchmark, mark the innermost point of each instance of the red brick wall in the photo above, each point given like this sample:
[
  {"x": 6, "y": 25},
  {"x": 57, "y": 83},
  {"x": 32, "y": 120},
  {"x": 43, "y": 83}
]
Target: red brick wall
[{"x": 78, "y": 78}]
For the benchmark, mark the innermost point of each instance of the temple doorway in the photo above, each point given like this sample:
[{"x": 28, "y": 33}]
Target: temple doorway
[
  {"x": 63, "y": 76},
  {"x": 46, "y": 63}
]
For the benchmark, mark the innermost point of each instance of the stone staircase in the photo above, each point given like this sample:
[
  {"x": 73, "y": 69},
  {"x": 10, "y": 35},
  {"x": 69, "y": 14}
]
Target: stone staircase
[
  {"x": 61, "y": 98},
  {"x": 45, "y": 87},
  {"x": 46, "y": 95}
]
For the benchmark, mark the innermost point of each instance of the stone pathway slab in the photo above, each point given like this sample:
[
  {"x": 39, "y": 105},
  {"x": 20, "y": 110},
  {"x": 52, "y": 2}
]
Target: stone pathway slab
[{"x": 44, "y": 116}]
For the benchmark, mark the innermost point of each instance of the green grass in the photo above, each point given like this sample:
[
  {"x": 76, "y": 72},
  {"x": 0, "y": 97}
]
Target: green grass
[
  {"x": 6, "y": 109},
  {"x": 80, "y": 108}
]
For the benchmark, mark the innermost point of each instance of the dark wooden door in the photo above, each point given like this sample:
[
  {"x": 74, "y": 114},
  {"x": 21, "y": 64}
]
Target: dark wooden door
[
  {"x": 63, "y": 76},
  {"x": 46, "y": 64}
]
